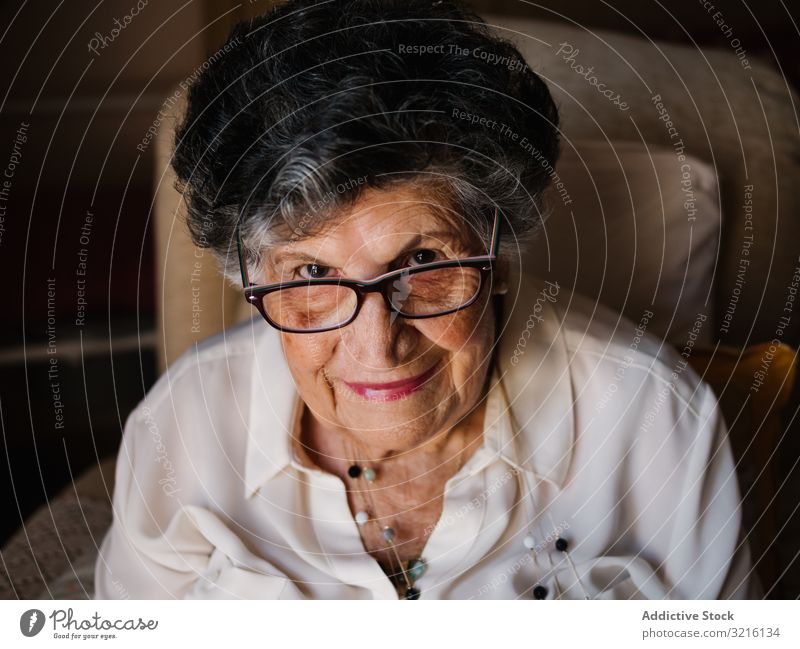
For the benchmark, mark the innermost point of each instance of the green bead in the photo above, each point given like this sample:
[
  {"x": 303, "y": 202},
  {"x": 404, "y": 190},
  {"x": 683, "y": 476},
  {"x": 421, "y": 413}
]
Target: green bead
[
  {"x": 415, "y": 569},
  {"x": 369, "y": 474}
]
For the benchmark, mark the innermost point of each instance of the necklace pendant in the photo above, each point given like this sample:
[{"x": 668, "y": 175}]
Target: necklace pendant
[{"x": 412, "y": 593}]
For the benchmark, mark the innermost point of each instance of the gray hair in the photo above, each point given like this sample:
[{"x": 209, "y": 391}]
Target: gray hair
[{"x": 358, "y": 94}]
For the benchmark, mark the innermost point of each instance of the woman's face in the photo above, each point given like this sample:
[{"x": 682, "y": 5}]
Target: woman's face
[{"x": 333, "y": 370}]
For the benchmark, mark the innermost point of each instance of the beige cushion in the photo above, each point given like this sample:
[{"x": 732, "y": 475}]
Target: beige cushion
[
  {"x": 741, "y": 122},
  {"x": 622, "y": 231},
  {"x": 193, "y": 301},
  {"x": 52, "y": 555}
]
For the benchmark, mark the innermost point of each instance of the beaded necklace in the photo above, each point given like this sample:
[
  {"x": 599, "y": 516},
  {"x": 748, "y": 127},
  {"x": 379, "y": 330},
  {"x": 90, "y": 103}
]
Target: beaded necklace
[{"x": 410, "y": 572}]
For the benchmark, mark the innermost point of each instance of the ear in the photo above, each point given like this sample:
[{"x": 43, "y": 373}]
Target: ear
[{"x": 500, "y": 277}]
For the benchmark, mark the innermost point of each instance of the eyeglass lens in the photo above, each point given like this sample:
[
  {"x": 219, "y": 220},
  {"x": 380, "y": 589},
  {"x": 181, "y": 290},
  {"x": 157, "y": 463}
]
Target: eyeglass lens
[{"x": 425, "y": 293}]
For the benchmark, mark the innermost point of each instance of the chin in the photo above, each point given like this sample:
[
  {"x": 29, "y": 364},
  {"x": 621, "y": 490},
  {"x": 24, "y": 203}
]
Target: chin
[
  {"x": 385, "y": 441},
  {"x": 392, "y": 423}
]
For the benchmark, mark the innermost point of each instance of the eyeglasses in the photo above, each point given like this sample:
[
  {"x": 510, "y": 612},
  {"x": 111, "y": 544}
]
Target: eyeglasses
[{"x": 424, "y": 291}]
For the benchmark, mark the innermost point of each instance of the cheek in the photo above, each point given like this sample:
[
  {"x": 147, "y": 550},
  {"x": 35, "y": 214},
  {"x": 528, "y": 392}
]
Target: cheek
[
  {"x": 307, "y": 354},
  {"x": 468, "y": 331}
]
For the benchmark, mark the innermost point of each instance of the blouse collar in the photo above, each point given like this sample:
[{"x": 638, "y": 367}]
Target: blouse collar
[{"x": 531, "y": 375}]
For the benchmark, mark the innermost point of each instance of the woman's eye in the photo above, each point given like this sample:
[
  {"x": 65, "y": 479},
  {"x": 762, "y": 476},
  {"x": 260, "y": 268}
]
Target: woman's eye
[
  {"x": 423, "y": 256},
  {"x": 314, "y": 271},
  {"x": 318, "y": 271}
]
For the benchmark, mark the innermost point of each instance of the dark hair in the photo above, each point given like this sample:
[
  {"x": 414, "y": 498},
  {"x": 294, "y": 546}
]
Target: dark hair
[{"x": 317, "y": 97}]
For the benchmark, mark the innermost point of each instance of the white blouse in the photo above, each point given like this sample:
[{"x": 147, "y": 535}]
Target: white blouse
[{"x": 595, "y": 432}]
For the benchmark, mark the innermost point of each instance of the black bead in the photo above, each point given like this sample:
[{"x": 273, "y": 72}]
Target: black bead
[
  {"x": 539, "y": 592},
  {"x": 412, "y": 593},
  {"x": 561, "y": 544},
  {"x": 354, "y": 471}
]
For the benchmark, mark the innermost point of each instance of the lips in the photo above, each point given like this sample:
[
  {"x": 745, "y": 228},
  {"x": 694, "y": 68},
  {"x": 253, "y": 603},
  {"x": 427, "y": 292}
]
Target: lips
[{"x": 393, "y": 389}]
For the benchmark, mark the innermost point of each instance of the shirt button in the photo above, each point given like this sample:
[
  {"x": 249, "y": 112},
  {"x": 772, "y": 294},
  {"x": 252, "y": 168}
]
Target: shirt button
[{"x": 539, "y": 592}]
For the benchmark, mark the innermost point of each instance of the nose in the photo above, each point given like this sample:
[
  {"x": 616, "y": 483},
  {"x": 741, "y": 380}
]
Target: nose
[{"x": 378, "y": 338}]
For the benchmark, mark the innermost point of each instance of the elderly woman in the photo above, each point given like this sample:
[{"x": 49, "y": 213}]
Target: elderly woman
[{"x": 412, "y": 416}]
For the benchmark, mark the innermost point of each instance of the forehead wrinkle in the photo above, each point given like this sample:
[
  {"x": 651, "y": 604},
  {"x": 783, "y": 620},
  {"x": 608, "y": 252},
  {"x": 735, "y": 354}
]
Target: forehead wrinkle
[
  {"x": 436, "y": 237},
  {"x": 442, "y": 231}
]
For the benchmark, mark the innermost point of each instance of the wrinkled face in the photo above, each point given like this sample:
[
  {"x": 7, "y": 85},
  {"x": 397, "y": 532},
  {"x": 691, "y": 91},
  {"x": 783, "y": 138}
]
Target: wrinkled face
[{"x": 341, "y": 374}]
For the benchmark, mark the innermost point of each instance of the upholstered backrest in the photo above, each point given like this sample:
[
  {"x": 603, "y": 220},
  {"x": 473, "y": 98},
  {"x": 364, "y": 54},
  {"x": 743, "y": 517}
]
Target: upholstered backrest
[
  {"x": 618, "y": 229},
  {"x": 738, "y": 117},
  {"x": 193, "y": 300}
]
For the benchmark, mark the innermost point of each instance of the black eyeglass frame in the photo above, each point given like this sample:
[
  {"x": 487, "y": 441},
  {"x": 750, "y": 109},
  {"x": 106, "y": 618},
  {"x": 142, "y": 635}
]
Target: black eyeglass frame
[{"x": 255, "y": 294}]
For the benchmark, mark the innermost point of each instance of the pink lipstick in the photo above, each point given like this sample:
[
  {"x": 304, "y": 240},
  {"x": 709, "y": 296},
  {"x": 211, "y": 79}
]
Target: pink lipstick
[{"x": 394, "y": 389}]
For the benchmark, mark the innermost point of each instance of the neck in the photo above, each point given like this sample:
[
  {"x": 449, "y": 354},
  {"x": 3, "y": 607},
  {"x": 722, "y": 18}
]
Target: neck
[{"x": 446, "y": 451}]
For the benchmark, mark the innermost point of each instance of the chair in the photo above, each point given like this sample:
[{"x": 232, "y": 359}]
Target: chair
[{"x": 741, "y": 130}]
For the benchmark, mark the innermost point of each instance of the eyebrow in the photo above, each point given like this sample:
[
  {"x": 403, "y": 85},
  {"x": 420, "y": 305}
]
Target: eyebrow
[{"x": 411, "y": 244}]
